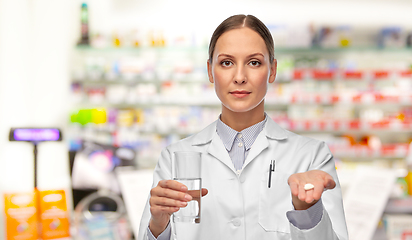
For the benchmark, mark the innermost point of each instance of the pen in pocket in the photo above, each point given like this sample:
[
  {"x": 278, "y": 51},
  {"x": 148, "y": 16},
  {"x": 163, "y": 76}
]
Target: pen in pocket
[{"x": 272, "y": 167}]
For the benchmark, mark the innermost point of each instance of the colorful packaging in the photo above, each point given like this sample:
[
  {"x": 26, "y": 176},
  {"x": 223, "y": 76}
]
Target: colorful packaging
[
  {"x": 408, "y": 180},
  {"x": 21, "y": 216},
  {"x": 53, "y": 214}
]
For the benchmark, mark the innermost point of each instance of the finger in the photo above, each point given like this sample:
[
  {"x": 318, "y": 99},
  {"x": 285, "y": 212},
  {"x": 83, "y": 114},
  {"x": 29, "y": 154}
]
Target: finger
[
  {"x": 294, "y": 189},
  {"x": 194, "y": 193},
  {"x": 309, "y": 196},
  {"x": 167, "y": 202},
  {"x": 318, "y": 190},
  {"x": 169, "y": 193},
  {"x": 204, "y": 192},
  {"x": 329, "y": 182},
  {"x": 157, "y": 210},
  {"x": 172, "y": 184},
  {"x": 302, "y": 192}
]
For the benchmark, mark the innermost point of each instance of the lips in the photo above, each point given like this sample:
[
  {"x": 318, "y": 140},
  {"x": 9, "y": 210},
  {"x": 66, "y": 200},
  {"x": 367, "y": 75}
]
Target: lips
[{"x": 240, "y": 93}]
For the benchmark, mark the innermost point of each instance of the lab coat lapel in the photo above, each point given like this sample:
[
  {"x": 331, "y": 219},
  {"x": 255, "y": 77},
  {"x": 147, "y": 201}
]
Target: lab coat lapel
[
  {"x": 260, "y": 144},
  {"x": 218, "y": 150},
  {"x": 208, "y": 136},
  {"x": 271, "y": 131}
]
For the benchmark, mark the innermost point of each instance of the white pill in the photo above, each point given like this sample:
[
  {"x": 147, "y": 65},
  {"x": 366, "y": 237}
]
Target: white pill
[{"x": 308, "y": 186}]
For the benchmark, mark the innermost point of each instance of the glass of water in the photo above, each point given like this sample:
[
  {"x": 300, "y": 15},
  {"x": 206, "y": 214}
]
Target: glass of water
[{"x": 186, "y": 168}]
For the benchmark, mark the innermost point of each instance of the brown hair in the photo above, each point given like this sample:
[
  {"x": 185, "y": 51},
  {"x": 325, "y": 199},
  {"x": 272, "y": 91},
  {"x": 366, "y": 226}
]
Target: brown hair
[{"x": 238, "y": 21}]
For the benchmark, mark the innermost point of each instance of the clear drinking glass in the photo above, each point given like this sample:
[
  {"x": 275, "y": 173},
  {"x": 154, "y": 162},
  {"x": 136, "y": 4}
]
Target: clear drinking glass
[{"x": 186, "y": 168}]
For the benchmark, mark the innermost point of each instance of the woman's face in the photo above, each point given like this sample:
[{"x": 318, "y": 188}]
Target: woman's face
[{"x": 241, "y": 70}]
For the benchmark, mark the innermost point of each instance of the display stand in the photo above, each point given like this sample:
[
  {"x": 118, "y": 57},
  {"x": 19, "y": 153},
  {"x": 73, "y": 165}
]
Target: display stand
[{"x": 35, "y": 136}]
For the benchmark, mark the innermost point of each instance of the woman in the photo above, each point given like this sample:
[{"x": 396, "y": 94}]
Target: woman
[{"x": 241, "y": 201}]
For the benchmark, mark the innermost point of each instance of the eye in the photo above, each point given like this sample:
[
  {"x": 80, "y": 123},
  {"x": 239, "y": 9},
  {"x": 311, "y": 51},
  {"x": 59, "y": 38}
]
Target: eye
[
  {"x": 254, "y": 63},
  {"x": 226, "y": 63}
]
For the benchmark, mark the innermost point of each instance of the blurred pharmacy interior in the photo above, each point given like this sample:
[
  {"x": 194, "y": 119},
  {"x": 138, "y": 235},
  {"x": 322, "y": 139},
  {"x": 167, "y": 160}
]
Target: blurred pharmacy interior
[{"x": 91, "y": 91}]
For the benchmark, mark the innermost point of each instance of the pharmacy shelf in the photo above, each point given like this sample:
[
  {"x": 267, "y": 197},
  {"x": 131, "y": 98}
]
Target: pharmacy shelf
[
  {"x": 399, "y": 206},
  {"x": 296, "y": 75},
  {"x": 94, "y": 87},
  {"x": 363, "y": 152},
  {"x": 280, "y": 50},
  {"x": 144, "y": 103},
  {"x": 341, "y": 151},
  {"x": 323, "y": 50},
  {"x": 135, "y": 50},
  {"x": 353, "y": 100},
  {"x": 355, "y": 75},
  {"x": 137, "y": 79},
  {"x": 301, "y": 131},
  {"x": 338, "y": 126}
]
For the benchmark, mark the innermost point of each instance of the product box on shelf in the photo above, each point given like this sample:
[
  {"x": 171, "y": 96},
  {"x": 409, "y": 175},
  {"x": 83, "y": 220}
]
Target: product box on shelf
[
  {"x": 398, "y": 226},
  {"x": 54, "y": 215},
  {"x": 21, "y": 215}
]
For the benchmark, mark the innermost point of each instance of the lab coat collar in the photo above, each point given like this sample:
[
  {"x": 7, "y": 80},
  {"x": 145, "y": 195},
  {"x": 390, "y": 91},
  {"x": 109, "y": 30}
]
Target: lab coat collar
[
  {"x": 216, "y": 147},
  {"x": 218, "y": 150},
  {"x": 205, "y": 136},
  {"x": 272, "y": 130}
]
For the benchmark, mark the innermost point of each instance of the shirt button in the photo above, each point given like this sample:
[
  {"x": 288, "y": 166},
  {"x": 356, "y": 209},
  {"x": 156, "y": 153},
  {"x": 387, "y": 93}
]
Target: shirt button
[
  {"x": 239, "y": 135},
  {"x": 240, "y": 144},
  {"x": 236, "y": 222}
]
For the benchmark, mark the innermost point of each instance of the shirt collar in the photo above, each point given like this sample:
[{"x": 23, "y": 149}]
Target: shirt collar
[
  {"x": 228, "y": 135},
  {"x": 251, "y": 133}
]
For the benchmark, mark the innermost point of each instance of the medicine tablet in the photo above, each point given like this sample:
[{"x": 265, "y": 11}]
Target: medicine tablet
[{"x": 308, "y": 186}]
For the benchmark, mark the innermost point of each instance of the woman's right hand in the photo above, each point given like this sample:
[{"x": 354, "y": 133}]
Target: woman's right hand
[{"x": 165, "y": 199}]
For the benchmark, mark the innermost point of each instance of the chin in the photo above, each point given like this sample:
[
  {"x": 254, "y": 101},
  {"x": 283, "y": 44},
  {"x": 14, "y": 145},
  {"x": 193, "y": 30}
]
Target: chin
[{"x": 240, "y": 109}]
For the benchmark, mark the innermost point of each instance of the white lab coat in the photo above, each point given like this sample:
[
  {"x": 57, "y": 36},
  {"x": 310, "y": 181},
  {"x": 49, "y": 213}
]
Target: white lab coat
[{"x": 241, "y": 206}]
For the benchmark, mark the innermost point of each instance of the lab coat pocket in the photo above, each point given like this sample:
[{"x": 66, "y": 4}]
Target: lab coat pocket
[{"x": 274, "y": 202}]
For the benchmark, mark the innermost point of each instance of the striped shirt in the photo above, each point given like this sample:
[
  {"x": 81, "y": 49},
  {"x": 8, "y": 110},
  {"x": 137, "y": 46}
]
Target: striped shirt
[{"x": 237, "y": 143}]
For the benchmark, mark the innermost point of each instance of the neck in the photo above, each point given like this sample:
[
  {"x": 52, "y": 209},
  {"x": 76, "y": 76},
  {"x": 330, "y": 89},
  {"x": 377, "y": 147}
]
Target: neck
[{"x": 242, "y": 120}]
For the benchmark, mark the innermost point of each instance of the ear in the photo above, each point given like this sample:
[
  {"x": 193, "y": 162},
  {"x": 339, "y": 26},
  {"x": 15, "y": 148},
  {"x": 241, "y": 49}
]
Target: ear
[
  {"x": 209, "y": 71},
  {"x": 273, "y": 69}
]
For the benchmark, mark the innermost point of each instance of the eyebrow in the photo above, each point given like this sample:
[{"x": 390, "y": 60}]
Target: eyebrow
[{"x": 248, "y": 56}]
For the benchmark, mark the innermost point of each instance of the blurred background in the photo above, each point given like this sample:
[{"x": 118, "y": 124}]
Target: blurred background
[{"x": 122, "y": 79}]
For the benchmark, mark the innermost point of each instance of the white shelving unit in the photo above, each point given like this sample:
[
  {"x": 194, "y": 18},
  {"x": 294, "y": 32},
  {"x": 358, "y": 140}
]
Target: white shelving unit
[{"x": 334, "y": 91}]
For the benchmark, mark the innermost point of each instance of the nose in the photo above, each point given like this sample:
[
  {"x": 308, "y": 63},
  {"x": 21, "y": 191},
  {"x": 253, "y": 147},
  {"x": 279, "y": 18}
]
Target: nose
[{"x": 240, "y": 76}]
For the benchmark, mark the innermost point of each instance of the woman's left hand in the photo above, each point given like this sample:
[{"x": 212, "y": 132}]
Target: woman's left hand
[{"x": 303, "y": 199}]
